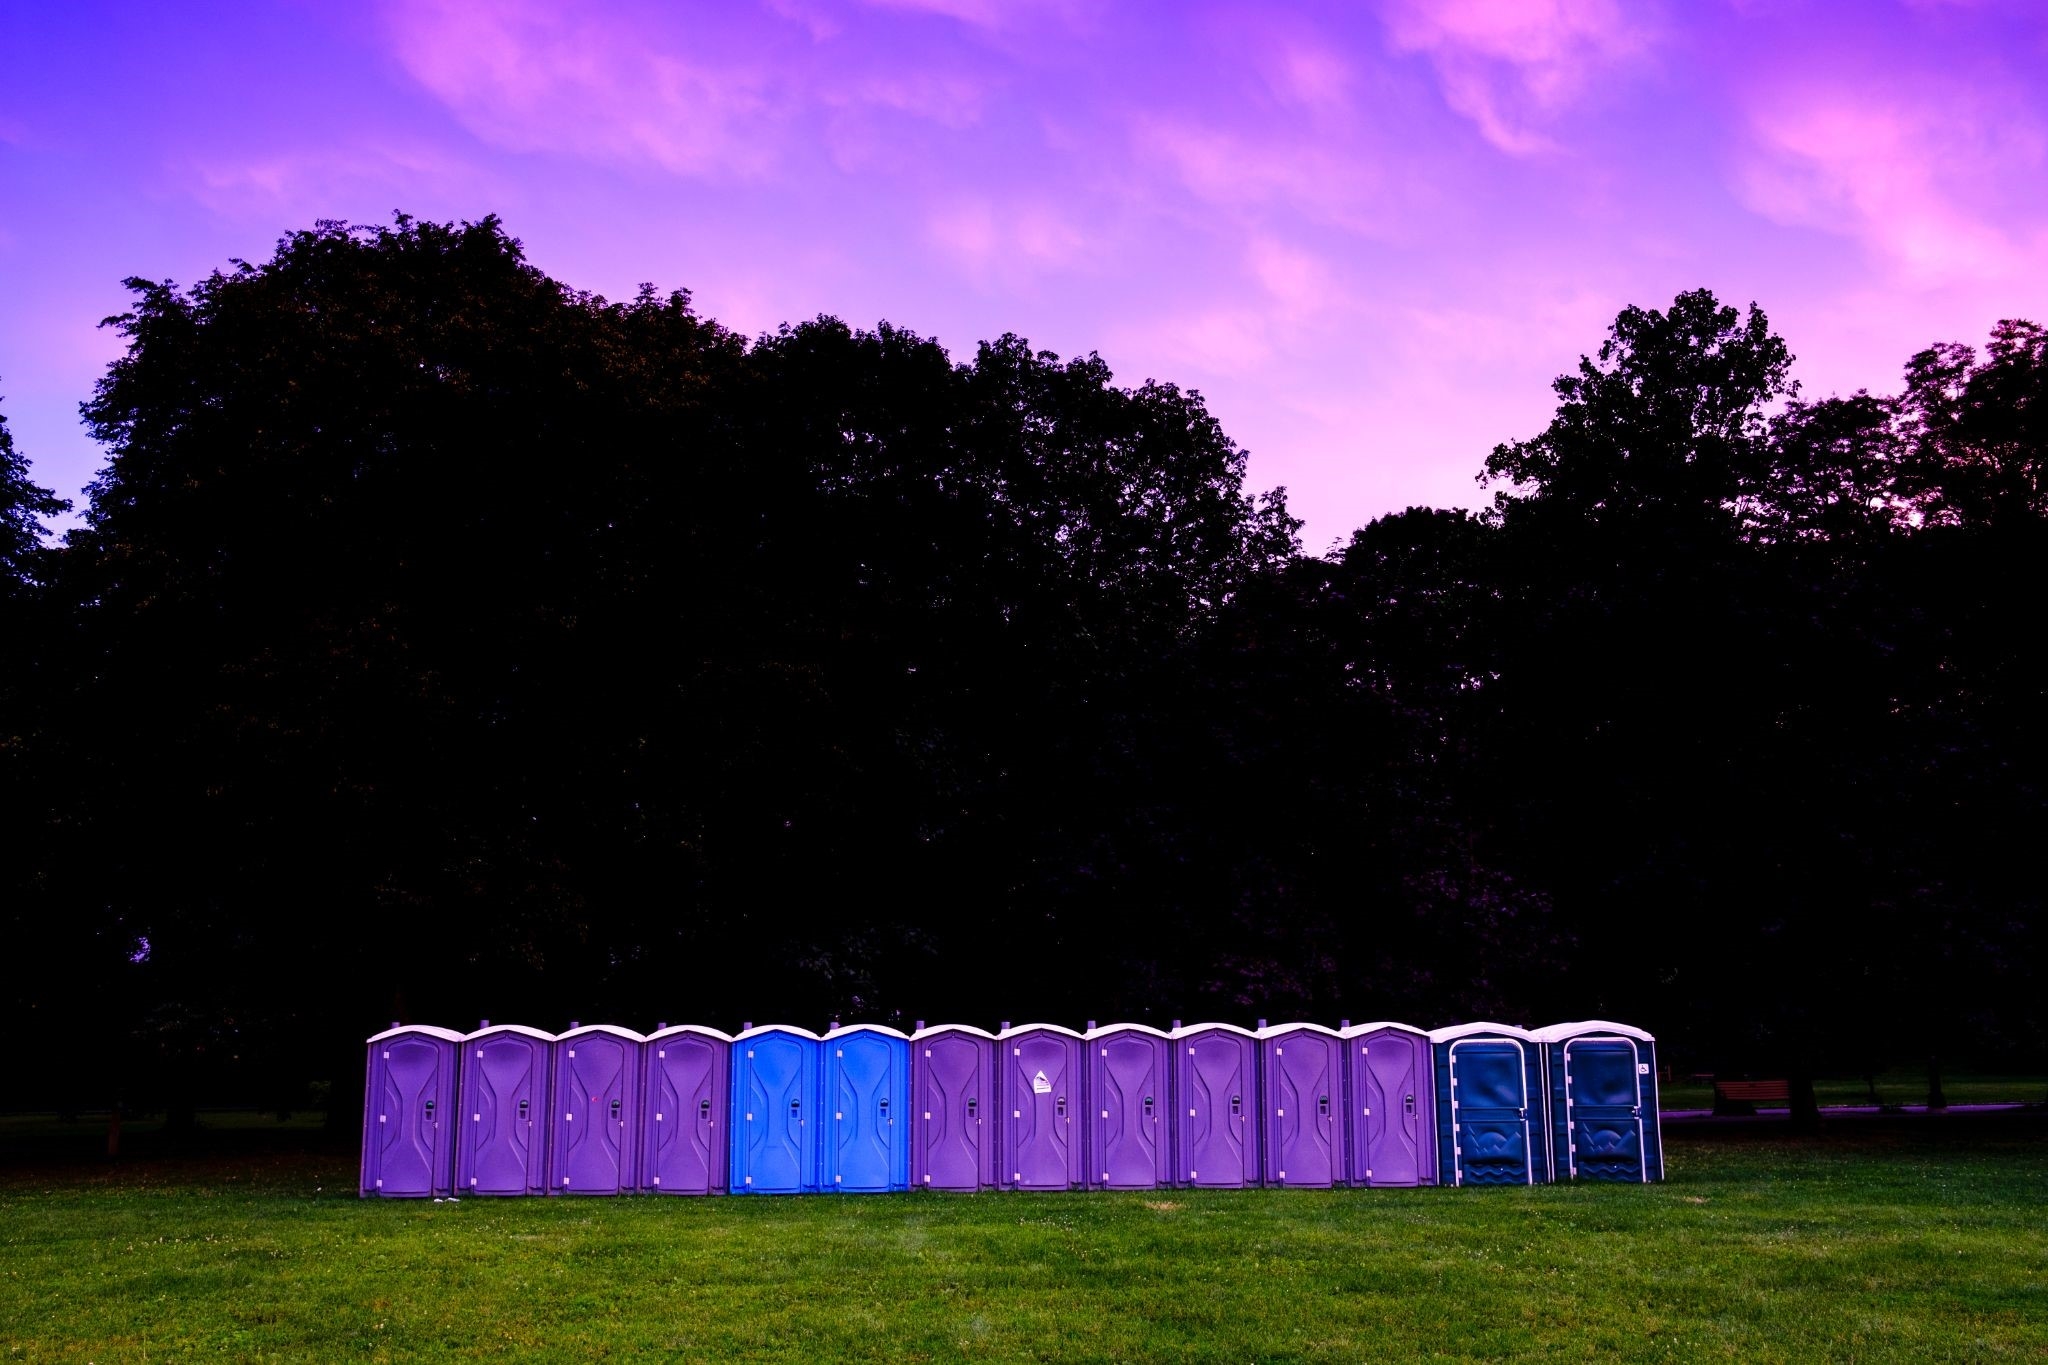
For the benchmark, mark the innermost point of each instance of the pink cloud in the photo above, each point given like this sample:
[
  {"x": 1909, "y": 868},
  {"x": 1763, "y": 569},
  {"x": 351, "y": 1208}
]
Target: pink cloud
[
  {"x": 1510, "y": 65},
  {"x": 300, "y": 186},
  {"x": 1006, "y": 242},
  {"x": 535, "y": 76},
  {"x": 1925, "y": 180},
  {"x": 1314, "y": 177}
]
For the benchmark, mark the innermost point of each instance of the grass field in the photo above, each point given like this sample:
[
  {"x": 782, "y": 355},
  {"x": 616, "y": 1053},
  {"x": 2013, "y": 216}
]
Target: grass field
[{"x": 1922, "y": 1241}]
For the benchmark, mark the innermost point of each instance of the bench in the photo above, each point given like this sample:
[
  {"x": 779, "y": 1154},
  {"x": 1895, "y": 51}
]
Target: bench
[{"x": 1742, "y": 1097}]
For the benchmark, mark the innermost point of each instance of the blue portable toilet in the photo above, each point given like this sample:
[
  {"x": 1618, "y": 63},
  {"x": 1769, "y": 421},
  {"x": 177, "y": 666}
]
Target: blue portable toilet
[
  {"x": 502, "y": 1148},
  {"x": 685, "y": 1072},
  {"x": 1130, "y": 1107},
  {"x": 1301, "y": 1081},
  {"x": 1604, "y": 1119},
  {"x": 776, "y": 1093},
  {"x": 1492, "y": 1125},
  {"x": 1391, "y": 1101},
  {"x": 594, "y": 1133},
  {"x": 954, "y": 1129},
  {"x": 865, "y": 1148},
  {"x": 1216, "y": 1106},
  {"x": 1039, "y": 1078},
  {"x": 408, "y": 1100}
]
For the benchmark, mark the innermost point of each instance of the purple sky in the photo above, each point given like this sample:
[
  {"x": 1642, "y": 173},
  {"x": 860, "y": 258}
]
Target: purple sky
[{"x": 1370, "y": 233}]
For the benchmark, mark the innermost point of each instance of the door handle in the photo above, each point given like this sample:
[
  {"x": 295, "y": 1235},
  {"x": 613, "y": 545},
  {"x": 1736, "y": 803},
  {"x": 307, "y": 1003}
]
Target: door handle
[
  {"x": 1237, "y": 1106},
  {"x": 884, "y": 1103},
  {"x": 703, "y": 1111},
  {"x": 1323, "y": 1106},
  {"x": 615, "y": 1111},
  {"x": 1060, "y": 1106},
  {"x": 1411, "y": 1104},
  {"x": 1148, "y": 1108},
  {"x": 522, "y": 1111},
  {"x": 971, "y": 1105}
]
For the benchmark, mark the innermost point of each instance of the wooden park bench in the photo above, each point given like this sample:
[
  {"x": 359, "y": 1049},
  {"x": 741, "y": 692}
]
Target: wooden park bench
[{"x": 1742, "y": 1097}]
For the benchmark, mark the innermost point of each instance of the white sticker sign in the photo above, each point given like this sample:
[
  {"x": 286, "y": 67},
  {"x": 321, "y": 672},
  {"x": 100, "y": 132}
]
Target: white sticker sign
[{"x": 1040, "y": 1085}]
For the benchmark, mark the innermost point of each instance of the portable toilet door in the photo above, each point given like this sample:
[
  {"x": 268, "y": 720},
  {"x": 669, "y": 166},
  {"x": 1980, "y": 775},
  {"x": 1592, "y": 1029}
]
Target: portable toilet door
[
  {"x": 1039, "y": 1076},
  {"x": 1491, "y": 1128},
  {"x": 1129, "y": 1095},
  {"x": 502, "y": 1148},
  {"x": 866, "y": 1147},
  {"x": 686, "y": 1072},
  {"x": 953, "y": 1134},
  {"x": 1391, "y": 1105},
  {"x": 408, "y": 1094},
  {"x": 594, "y": 1144},
  {"x": 775, "y": 1093},
  {"x": 1604, "y": 1120},
  {"x": 1301, "y": 1073},
  {"x": 1216, "y": 1105}
]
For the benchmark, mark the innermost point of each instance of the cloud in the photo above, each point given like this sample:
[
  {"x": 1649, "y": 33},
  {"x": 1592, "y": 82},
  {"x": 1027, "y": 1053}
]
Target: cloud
[
  {"x": 299, "y": 186},
  {"x": 1316, "y": 178},
  {"x": 1511, "y": 65},
  {"x": 564, "y": 78},
  {"x": 1924, "y": 179},
  {"x": 1006, "y": 242}
]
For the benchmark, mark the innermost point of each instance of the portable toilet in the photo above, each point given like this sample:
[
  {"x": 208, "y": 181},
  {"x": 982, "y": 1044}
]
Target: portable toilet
[
  {"x": 1604, "y": 1119},
  {"x": 502, "y": 1148},
  {"x": 685, "y": 1073},
  {"x": 1039, "y": 1080},
  {"x": 1491, "y": 1128},
  {"x": 1129, "y": 1092},
  {"x": 1301, "y": 1075},
  {"x": 775, "y": 1094},
  {"x": 952, "y": 1145},
  {"x": 866, "y": 1146},
  {"x": 1390, "y": 1121},
  {"x": 408, "y": 1094},
  {"x": 1216, "y": 1105},
  {"x": 594, "y": 1142}
]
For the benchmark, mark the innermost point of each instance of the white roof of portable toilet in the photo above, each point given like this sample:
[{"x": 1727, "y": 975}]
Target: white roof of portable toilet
[
  {"x": 1445, "y": 1035},
  {"x": 1187, "y": 1029},
  {"x": 1559, "y": 1032},
  {"x": 1040, "y": 1028},
  {"x": 673, "y": 1029},
  {"x": 745, "y": 1034},
  {"x": 1127, "y": 1028},
  {"x": 509, "y": 1028},
  {"x": 845, "y": 1029},
  {"x": 445, "y": 1034},
  {"x": 1358, "y": 1030},
  {"x": 952, "y": 1028},
  {"x": 612, "y": 1029},
  {"x": 1274, "y": 1030}
]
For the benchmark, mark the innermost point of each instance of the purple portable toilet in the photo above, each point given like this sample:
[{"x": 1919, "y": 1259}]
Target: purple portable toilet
[
  {"x": 408, "y": 1093},
  {"x": 502, "y": 1148},
  {"x": 686, "y": 1071},
  {"x": 1216, "y": 1105},
  {"x": 953, "y": 1145},
  {"x": 594, "y": 1141},
  {"x": 1390, "y": 1123},
  {"x": 1039, "y": 1079},
  {"x": 1130, "y": 1129},
  {"x": 1301, "y": 1075}
]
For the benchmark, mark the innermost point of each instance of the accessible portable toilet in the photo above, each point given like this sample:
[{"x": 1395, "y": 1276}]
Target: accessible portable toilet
[
  {"x": 1390, "y": 1094},
  {"x": 1040, "y": 1083},
  {"x": 1130, "y": 1107},
  {"x": 1604, "y": 1119},
  {"x": 954, "y": 1134},
  {"x": 408, "y": 1095},
  {"x": 866, "y": 1145},
  {"x": 775, "y": 1095},
  {"x": 594, "y": 1133},
  {"x": 502, "y": 1148},
  {"x": 1301, "y": 1074},
  {"x": 1216, "y": 1106},
  {"x": 1491, "y": 1126},
  {"x": 685, "y": 1073}
]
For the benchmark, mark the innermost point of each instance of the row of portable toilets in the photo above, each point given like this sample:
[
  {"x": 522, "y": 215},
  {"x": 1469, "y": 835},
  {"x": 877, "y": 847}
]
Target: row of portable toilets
[{"x": 509, "y": 1110}]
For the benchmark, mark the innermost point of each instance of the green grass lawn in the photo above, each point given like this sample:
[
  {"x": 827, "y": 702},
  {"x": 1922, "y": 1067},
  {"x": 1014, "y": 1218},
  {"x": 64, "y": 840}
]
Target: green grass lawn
[
  {"x": 1893, "y": 1087},
  {"x": 1882, "y": 1243}
]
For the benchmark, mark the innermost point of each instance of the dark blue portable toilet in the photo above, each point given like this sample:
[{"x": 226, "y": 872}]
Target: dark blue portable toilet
[
  {"x": 1216, "y": 1106},
  {"x": 1301, "y": 1084},
  {"x": 866, "y": 1143},
  {"x": 685, "y": 1073},
  {"x": 1390, "y": 1097},
  {"x": 1491, "y": 1116},
  {"x": 1604, "y": 1119},
  {"x": 594, "y": 1137},
  {"x": 776, "y": 1091},
  {"x": 502, "y": 1148},
  {"x": 1130, "y": 1108},
  {"x": 954, "y": 1132},
  {"x": 1039, "y": 1079},
  {"x": 408, "y": 1097}
]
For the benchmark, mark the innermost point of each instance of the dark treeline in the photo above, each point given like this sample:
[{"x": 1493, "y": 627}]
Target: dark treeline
[{"x": 442, "y": 642}]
